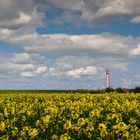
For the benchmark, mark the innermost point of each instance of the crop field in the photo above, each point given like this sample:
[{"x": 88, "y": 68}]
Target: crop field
[{"x": 63, "y": 116}]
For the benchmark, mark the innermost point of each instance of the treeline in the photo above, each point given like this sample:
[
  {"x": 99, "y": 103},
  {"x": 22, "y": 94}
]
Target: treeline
[
  {"x": 123, "y": 90},
  {"x": 108, "y": 90}
]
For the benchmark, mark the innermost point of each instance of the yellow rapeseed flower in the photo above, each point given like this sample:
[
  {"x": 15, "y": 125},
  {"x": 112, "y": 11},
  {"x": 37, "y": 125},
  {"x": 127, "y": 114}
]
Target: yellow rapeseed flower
[
  {"x": 102, "y": 126},
  {"x": 120, "y": 126},
  {"x": 113, "y": 110},
  {"x": 64, "y": 136},
  {"x": 6, "y": 113},
  {"x": 2, "y": 126},
  {"x": 13, "y": 111},
  {"x": 29, "y": 113},
  {"x": 67, "y": 125},
  {"x": 37, "y": 122},
  {"x": 54, "y": 137},
  {"x": 19, "y": 139},
  {"x": 81, "y": 121},
  {"x": 22, "y": 133},
  {"x": 94, "y": 113},
  {"x": 33, "y": 132},
  {"x": 126, "y": 134},
  {"x": 14, "y": 131},
  {"x": 46, "y": 119}
]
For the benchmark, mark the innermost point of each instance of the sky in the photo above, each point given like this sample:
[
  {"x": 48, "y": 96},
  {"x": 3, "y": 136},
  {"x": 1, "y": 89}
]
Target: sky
[{"x": 69, "y": 44}]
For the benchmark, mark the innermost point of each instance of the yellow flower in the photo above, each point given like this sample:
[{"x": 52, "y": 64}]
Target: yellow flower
[
  {"x": 67, "y": 125},
  {"x": 13, "y": 111},
  {"x": 113, "y": 110},
  {"x": 6, "y": 113},
  {"x": 64, "y": 137},
  {"x": 133, "y": 128},
  {"x": 102, "y": 126},
  {"x": 126, "y": 134},
  {"x": 132, "y": 121},
  {"x": 22, "y": 133},
  {"x": 81, "y": 121},
  {"x": 23, "y": 118},
  {"x": 14, "y": 131},
  {"x": 46, "y": 119},
  {"x": 19, "y": 139},
  {"x": 54, "y": 137},
  {"x": 120, "y": 126},
  {"x": 127, "y": 102},
  {"x": 114, "y": 116},
  {"x": 33, "y": 132},
  {"x": 25, "y": 128},
  {"x": 37, "y": 122},
  {"x": 2, "y": 126},
  {"x": 29, "y": 113},
  {"x": 94, "y": 113},
  {"x": 53, "y": 111},
  {"x": 89, "y": 128}
]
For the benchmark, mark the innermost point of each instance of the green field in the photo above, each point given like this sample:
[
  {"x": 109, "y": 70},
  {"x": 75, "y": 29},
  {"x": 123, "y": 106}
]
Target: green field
[{"x": 43, "y": 116}]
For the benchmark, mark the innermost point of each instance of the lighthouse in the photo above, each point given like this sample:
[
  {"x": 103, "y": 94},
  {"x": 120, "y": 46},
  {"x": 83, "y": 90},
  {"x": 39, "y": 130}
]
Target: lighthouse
[{"x": 107, "y": 82}]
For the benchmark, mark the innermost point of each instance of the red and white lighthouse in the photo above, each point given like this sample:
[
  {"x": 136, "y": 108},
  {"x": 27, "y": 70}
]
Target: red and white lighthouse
[{"x": 107, "y": 82}]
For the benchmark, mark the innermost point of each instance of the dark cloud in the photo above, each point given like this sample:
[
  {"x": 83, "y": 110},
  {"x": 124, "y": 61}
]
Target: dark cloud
[
  {"x": 15, "y": 14},
  {"x": 94, "y": 12}
]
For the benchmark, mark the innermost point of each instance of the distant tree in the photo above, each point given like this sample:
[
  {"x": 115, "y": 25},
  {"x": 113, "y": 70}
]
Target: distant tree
[
  {"x": 119, "y": 90},
  {"x": 131, "y": 90},
  {"x": 137, "y": 89},
  {"x": 109, "y": 90}
]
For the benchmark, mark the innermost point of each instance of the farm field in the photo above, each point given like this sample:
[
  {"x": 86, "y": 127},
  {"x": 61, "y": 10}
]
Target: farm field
[{"x": 63, "y": 116}]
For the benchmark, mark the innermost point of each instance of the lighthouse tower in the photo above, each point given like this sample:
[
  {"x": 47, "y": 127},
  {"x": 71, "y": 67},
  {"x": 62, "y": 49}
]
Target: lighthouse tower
[{"x": 107, "y": 82}]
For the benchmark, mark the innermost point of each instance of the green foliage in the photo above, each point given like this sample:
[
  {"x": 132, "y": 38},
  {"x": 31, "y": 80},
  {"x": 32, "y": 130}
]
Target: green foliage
[
  {"x": 137, "y": 89},
  {"x": 109, "y": 90},
  {"x": 119, "y": 90}
]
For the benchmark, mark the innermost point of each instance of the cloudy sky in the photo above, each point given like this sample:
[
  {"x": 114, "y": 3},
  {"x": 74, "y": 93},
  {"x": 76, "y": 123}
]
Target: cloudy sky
[{"x": 68, "y": 44}]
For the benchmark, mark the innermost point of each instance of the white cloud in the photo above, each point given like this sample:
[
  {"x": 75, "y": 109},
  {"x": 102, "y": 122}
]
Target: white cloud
[
  {"x": 39, "y": 71},
  {"x": 105, "y": 43},
  {"x": 21, "y": 58},
  {"x": 27, "y": 74},
  {"x": 136, "y": 20},
  {"x": 22, "y": 64},
  {"x": 76, "y": 51},
  {"x": 136, "y": 51},
  {"x": 116, "y": 8},
  {"x": 78, "y": 66},
  {"x": 89, "y": 70},
  {"x": 79, "y": 44}
]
